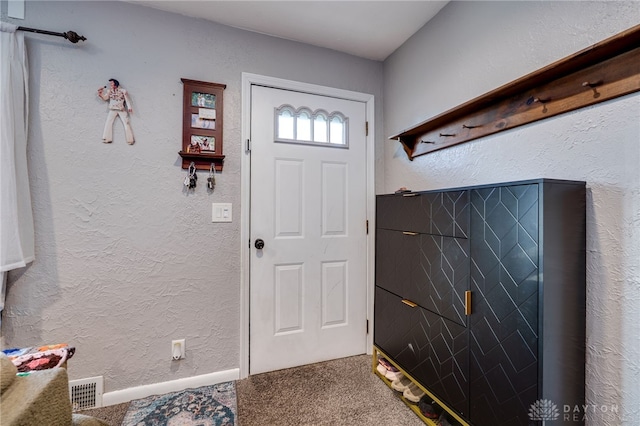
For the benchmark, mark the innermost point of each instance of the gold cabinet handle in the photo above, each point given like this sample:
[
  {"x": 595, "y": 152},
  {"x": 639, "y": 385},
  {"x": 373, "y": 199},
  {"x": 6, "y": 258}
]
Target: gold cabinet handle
[
  {"x": 467, "y": 302},
  {"x": 409, "y": 233},
  {"x": 409, "y": 303}
]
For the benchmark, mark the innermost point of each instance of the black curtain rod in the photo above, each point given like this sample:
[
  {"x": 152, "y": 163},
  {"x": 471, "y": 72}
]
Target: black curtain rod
[{"x": 72, "y": 36}]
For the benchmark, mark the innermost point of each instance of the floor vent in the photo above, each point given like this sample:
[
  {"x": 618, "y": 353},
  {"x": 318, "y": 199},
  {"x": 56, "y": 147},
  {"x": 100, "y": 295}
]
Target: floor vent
[{"x": 86, "y": 393}]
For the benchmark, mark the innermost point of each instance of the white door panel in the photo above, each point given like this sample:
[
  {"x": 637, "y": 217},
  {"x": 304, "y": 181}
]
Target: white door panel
[{"x": 308, "y": 203}]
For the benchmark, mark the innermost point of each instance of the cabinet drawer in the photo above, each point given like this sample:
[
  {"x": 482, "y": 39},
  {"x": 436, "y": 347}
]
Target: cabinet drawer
[
  {"x": 433, "y": 350},
  {"x": 439, "y": 281},
  {"x": 403, "y": 212},
  {"x": 430, "y": 270},
  {"x": 449, "y": 213},
  {"x": 397, "y": 257},
  {"x": 438, "y": 213}
]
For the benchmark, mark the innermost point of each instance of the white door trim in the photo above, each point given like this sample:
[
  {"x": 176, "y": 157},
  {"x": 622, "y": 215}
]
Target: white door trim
[{"x": 248, "y": 80}]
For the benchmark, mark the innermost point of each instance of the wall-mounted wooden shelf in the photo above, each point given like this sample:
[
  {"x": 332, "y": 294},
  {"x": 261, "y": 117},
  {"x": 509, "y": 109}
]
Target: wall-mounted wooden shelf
[
  {"x": 202, "y": 161},
  {"x": 604, "y": 71}
]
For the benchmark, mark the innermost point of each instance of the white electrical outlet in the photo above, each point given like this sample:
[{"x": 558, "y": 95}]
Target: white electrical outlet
[{"x": 177, "y": 349}]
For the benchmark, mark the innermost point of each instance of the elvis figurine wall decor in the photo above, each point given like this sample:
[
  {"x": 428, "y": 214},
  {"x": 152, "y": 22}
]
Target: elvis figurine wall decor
[{"x": 119, "y": 105}]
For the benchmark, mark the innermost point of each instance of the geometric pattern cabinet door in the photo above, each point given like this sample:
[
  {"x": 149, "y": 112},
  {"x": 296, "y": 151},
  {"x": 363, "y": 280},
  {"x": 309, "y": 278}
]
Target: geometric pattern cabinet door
[
  {"x": 504, "y": 322},
  {"x": 430, "y": 348},
  {"x": 396, "y": 257},
  {"x": 437, "y": 213},
  {"x": 449, "y": 212},
  {"x": 430, "y": 270},
  {"x": 403, "y": 212},
  {"x": 441, "y": 277},
  {"x": 527, "y": 326},
  {"x": 446, "y": 368}
]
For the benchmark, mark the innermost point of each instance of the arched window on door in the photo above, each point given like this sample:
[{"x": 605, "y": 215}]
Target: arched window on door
[{"x": 303, "y": 126}]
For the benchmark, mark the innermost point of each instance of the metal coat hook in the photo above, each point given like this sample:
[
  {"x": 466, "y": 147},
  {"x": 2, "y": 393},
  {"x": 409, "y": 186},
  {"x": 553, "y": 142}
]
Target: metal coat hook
[
  {"x": 593, "y": 86},
  {"x": 532, "y": 100},
  {"x": 543, "y": 102}
]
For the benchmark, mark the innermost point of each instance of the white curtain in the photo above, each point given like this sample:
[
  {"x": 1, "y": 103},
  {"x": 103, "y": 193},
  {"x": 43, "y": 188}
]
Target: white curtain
[{"x": 16, "y": 218}]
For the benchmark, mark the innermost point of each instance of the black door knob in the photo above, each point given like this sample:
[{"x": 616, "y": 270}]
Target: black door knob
[{"x": 259, "y": 244}]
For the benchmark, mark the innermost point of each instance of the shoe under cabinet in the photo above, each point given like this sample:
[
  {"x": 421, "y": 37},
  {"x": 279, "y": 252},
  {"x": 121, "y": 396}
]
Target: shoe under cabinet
[{"x": 420, "y": 400}]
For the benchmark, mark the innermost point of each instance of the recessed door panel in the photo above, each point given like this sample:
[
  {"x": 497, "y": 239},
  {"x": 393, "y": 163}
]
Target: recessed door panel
[
  {"x": 289, "y": 200},
  {"x": 334, "y": 293},
  {"x": 288, "y": 298},
  {"x": 334, "y": 199}
]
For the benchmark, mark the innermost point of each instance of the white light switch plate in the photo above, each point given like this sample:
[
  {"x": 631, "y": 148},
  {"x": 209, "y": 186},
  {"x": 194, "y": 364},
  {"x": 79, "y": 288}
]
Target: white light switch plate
[{"x": 221, "y": 212}]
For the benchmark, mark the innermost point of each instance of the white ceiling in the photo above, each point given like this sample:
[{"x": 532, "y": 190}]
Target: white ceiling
[{"x": 371, "y": 29}]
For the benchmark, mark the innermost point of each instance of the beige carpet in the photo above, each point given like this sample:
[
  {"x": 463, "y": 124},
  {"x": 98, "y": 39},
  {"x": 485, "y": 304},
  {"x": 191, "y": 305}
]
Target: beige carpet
[
  {"x": 339, "y": 392},
  {"x": 113, "y": 414}
]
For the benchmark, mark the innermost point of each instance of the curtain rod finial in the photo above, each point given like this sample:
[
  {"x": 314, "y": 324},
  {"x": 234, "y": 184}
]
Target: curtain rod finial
[{"x": 73, "y": 36}]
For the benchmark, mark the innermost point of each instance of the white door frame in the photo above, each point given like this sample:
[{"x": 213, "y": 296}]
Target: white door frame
[{"x": 248, "y": 80}]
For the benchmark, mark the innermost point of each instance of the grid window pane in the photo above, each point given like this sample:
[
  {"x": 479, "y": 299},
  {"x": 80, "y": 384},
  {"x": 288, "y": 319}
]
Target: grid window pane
[
  {"x": 303, "y": 127},
  {"x": 285, "y": 125},
  {"x": 320, "y": 129},
  {"x": 337, "y": 131}
]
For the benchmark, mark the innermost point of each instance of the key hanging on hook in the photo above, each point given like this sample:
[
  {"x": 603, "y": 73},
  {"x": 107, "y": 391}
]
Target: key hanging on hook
[
  {"x": 191, "y": 180},
  {"x": 211, "y": 180}
]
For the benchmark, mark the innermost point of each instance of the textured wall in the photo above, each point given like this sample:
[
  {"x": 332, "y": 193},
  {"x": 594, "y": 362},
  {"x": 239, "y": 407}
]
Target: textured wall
[
  {"x": 126, "y": 261},
  {"x": 473, "y": 47}
]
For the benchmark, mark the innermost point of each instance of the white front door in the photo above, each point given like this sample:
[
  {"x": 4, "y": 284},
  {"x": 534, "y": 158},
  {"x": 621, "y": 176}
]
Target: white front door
[{"x": 308, "y": 284}]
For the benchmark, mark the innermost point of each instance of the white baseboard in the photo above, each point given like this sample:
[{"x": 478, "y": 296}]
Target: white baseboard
[{"x": 126, "y": 395}]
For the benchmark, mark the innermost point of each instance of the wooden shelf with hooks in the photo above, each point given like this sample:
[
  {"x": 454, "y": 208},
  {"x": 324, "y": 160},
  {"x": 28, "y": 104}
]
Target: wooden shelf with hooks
[
  {"x": 601, "y": 72},
  {"x": 201, "y": 160}
]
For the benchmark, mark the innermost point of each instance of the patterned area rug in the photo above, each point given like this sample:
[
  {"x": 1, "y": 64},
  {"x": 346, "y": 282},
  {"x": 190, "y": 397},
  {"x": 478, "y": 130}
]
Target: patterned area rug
[{"x": 206, "y": 406}]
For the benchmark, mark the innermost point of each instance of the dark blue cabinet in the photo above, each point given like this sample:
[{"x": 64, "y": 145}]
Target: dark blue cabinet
[{"x": 496, "y": 275}]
